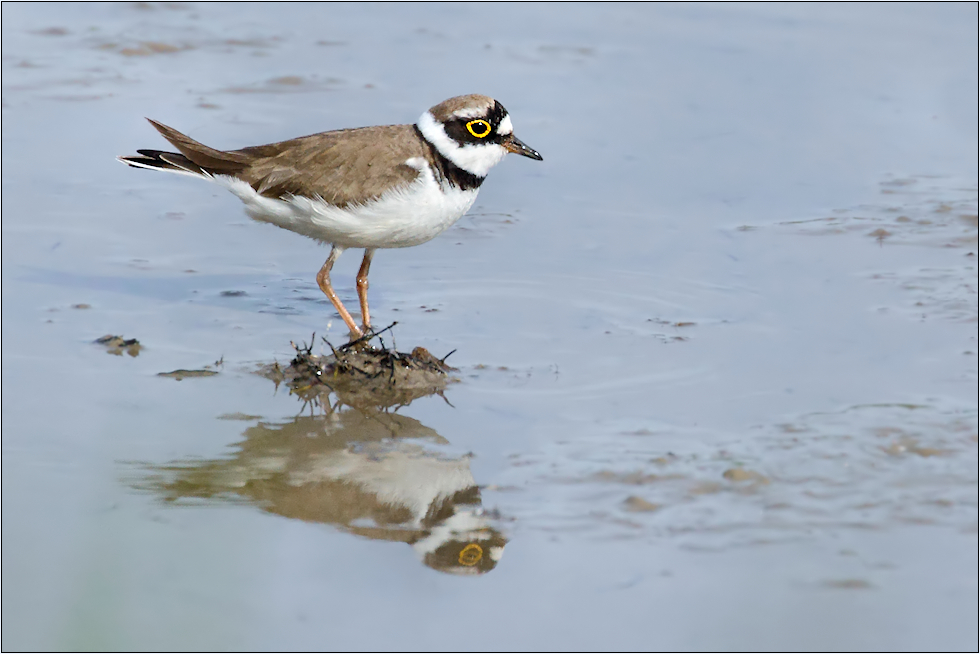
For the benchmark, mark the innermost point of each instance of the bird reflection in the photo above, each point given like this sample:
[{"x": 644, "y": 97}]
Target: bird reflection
[{"x": 368, "y": 472}]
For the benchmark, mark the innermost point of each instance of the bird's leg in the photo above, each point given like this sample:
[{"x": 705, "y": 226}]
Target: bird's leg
[
  {"x": 323, "y": 280},
  {"x": 362, "y": 288}
]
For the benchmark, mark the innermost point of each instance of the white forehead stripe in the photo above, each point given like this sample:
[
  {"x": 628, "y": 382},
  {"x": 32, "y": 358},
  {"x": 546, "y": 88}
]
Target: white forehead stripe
[
  {"x": 474, "y": 159},
  {"x": 505, "y": 127},
  {"x": 471, "y": 112}
]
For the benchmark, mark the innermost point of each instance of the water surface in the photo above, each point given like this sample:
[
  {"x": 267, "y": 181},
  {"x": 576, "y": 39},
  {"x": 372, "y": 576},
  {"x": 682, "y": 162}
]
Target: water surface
[{"x": 717, "y": 352}]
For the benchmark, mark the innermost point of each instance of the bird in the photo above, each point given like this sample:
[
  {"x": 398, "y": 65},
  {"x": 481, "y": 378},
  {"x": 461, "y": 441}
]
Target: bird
[{"x": 385, "y": 186}]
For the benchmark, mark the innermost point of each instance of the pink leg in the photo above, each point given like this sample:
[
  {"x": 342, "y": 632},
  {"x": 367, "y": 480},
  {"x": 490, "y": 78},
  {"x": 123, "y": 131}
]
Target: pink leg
[
  {"x": 323, "y": 280},
  {"x": 362, "y": 288}
]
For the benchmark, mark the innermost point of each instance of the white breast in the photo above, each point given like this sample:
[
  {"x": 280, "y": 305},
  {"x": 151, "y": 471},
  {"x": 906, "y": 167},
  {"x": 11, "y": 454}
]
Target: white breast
[{"x": 402, "y": 217}]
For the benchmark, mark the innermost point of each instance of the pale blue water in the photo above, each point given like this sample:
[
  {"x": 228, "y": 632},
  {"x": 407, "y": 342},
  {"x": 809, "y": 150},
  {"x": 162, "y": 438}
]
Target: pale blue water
[{"x": 692, "y": 282}]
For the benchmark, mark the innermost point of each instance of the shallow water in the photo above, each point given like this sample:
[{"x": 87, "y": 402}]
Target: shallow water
[{"x": 717, "y": 352}]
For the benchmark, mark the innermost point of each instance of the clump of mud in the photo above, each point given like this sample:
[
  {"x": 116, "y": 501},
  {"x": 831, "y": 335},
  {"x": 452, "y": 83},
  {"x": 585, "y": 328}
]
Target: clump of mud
[
  {"x": 116, "y": 345},
  {"x": 363, "y": 375}
]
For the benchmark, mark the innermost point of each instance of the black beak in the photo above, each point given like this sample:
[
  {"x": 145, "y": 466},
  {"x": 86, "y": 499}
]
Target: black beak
[{"x": 513, "y": 144}]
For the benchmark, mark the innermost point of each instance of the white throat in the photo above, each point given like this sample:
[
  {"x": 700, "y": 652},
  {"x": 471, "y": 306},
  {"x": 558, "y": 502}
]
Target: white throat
[{"x": 474, "y": 159}]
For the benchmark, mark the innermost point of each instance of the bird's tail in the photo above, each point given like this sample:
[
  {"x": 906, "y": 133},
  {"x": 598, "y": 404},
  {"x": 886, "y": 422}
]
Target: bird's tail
[{"x": 194, "y": 158}]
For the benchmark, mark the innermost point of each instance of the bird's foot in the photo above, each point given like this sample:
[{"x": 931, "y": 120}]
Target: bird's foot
[
  {"x": 361, "y": 336},
  {"x": 364, "y": 333}
]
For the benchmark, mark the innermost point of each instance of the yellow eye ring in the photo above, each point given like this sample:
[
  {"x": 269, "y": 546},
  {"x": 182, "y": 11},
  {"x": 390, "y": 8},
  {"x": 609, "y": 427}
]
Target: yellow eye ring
[
  {"x": 472, "y": 553},
  {"x": 478, "y": 128}
]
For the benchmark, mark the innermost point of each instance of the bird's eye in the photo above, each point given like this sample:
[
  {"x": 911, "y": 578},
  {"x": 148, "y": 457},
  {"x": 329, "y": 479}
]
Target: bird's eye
[
  {"x": 478, "y": 128},
  {"x": 472, "y": 553}
]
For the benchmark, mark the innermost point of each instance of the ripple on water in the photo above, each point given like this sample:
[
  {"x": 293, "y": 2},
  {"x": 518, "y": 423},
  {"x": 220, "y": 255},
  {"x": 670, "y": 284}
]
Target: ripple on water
[{"x": 862, "y": 467}]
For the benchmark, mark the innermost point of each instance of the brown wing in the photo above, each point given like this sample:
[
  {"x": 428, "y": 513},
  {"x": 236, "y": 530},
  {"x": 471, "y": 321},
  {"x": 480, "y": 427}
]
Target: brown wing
[{"x": 342, "y": 167}]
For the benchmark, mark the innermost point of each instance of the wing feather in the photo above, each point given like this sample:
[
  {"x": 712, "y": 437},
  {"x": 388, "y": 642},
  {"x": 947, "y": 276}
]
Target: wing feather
[{"x": 341, "y": 167}]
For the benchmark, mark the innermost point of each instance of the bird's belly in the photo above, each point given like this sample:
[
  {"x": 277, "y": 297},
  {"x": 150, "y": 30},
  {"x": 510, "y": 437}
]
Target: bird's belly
[{"x": 402, "y": 217}]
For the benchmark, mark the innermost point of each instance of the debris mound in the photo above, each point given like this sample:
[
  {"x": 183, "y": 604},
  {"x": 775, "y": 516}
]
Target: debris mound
[{"x": 363, "y": 375}]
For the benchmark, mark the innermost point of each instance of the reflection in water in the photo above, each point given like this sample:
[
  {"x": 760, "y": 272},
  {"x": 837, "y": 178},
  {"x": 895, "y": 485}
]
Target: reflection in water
[{"x": 365, "y": 471}]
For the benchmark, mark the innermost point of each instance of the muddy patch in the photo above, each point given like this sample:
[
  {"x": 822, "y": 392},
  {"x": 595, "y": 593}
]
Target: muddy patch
[
  {"x": 180, "y": 374},
  {"x": 287, "y": 84},
  {"x": 924, "y": 210},
  {"x": 863, "y": 467},
  {"x": 183, "y": 373},
  {"x": 116, "y": 345},
  {"x": 362, "y": 375}
]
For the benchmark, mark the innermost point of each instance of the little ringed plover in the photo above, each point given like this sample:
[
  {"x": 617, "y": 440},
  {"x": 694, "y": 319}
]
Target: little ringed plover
[{"x": 388, "y": 186}]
